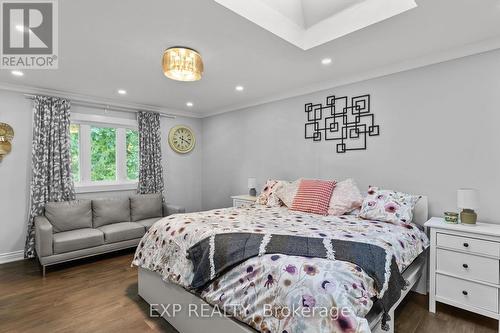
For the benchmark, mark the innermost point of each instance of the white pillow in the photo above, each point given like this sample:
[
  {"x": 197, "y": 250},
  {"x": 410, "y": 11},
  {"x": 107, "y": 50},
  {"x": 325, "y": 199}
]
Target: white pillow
[
  {"x": 346, "y": 197},
  {"x": 268, "y": 195},
  {"x": 286, "y": 192},
  {"x": 388, "y": 206}
]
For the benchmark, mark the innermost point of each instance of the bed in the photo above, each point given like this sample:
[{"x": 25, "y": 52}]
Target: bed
[{"x": 233, "y": 301}]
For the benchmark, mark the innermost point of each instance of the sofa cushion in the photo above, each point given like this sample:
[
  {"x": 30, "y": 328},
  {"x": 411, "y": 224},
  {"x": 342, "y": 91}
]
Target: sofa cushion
[
  {"x": 69, "y": 215},
  {"x": 78, "y": 239},
  {"x": 145, "y": 206},
  {"x": 110, "y": 210},
  {"x": 118, "y": 232},
  {"x": 147, "y": 223}
]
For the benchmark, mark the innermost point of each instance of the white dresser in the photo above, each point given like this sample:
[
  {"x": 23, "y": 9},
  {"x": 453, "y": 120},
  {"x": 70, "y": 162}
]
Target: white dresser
[
  {"x": 243, "y": 200},
  {"x": 464, "y": 266}
]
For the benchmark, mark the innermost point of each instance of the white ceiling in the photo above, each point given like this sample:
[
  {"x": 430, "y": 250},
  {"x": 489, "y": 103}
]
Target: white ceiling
[
  {"x": 315, "y": 11},
  {"x": 108, "y": 45},
  {"x": 306, "y": 13},
  {"x": 310, "y": 23}
]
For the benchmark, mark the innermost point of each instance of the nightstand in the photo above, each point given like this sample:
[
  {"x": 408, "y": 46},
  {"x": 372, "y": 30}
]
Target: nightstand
[
  {"x": 464, "y": 266},
  {"x": 243, "y": 200}
]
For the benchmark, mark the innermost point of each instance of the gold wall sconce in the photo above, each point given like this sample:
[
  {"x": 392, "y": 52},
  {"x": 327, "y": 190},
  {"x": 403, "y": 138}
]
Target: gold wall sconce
[{"x": 6, "y": 136}]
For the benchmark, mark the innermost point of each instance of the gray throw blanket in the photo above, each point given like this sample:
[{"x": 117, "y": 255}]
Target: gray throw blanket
[{"x": 215, "y": 255}]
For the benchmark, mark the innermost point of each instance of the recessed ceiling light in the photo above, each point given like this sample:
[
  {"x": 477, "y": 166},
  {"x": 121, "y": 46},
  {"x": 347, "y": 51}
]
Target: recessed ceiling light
[
  {"x": 20, "y": 27},
  {"x": 17, "y": 73},
  {"x": 239, "y": 88},
  {"x": 326, "y": 61},
  {"x": 189, "y": 104},
  {"x": 122, "y": 91}
]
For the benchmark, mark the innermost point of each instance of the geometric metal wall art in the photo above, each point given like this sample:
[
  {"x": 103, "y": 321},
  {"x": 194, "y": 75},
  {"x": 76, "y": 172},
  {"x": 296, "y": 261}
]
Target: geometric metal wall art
[{"x": 347, "y": 122}]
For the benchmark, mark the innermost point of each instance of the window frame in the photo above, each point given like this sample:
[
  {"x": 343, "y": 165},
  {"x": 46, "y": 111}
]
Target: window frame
[{"x": 85, "y": 122}]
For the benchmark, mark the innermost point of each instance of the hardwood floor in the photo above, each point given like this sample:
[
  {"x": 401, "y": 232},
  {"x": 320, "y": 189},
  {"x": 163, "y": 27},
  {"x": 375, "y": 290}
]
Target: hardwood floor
[{"x": 100, "y": 295}]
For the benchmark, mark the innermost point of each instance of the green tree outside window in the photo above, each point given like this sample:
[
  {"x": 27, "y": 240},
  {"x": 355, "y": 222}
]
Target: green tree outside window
[
  {"x": 75, "y": 152},
  {"x": 103, "y": 154},
  {"x": 132, "y": 154}
]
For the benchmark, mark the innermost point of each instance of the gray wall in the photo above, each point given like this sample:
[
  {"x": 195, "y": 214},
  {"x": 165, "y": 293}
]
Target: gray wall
[
  {"x": 182, "y": 172},
  {"x": 15, "y": 173},
  {"x": 438, "y": 133}
]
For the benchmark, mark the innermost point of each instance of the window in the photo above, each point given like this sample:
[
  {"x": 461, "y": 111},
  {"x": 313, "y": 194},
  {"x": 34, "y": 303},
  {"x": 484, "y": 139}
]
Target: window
[
  {"x": 102, "y": 154},
  {"x": 74, "y": 131},
  {"x": 132, "y": 154},
  {"x": 104, "y": 157}
]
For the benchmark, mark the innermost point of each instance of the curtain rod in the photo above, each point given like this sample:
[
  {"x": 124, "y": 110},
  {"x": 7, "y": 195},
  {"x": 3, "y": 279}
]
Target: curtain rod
[{"x": 110, "y": 107}]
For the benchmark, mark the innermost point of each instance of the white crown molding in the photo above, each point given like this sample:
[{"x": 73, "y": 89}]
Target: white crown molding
[
  {"x": 11, "y": 256},
  {"x": 428, "y": 60},
  {"x": 25, "y": 89}
]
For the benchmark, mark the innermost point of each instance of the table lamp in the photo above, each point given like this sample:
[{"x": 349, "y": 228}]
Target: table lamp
[
  {"x": 468, "y": 200},
  {"x": 252, "y": 184}
]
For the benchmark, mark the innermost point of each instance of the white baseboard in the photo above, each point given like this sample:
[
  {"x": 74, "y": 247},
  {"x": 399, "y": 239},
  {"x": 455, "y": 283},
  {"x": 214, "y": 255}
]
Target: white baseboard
[{"x": 11, "y": 256}]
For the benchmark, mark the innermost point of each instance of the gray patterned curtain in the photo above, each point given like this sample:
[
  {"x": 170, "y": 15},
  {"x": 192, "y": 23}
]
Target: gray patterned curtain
[
  {"x": 150, "y": 169},
  {"x": 50, "y": 160}
]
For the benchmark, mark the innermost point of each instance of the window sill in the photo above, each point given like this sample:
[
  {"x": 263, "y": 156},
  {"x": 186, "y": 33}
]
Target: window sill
[{"x": 105, "y": 187}]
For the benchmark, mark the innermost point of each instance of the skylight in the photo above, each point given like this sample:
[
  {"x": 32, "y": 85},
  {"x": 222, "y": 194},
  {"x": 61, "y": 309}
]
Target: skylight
[{"x": 309, "y": 23}]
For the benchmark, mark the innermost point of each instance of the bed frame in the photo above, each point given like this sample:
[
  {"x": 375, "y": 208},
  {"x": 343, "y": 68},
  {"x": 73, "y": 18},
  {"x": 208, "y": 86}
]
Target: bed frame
[{"x": 162, "y": 295}]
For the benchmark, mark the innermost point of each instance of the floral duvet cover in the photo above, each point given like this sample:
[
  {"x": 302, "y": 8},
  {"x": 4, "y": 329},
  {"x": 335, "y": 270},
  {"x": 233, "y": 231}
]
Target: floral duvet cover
[{"x": 279, "y": 293}]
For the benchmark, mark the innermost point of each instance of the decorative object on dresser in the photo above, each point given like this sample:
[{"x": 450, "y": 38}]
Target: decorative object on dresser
[
  {"x": 6, "y": 136},
  {"x": 252, "y": 184},
  {"x": 181, "y": 139},
  {"x": 243, "y": 200},
  {"x": 464, "y": 266},
  {"x": 451, "y": 217},
  {"x": 347, "y": 122},
  {"x": 468, "y": 200}
]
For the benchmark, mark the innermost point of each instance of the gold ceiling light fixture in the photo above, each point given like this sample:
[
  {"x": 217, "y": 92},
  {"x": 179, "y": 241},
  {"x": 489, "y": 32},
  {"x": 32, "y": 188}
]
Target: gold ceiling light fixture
[
  {"x": 6, "y": 136},
  {"x": 182, "y": 64}
]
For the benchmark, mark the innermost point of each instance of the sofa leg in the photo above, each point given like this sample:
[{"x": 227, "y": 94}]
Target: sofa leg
[{"x": 43, "y": 270}]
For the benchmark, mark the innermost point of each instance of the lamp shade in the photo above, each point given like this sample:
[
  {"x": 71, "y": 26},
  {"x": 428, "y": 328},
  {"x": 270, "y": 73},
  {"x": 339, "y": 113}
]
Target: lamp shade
[
  {"x": 467, "y": 198},
  {"x": 252, "y": 183}
]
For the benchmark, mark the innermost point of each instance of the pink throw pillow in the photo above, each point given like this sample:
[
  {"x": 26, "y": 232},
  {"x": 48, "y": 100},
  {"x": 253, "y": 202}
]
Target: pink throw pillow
[{"x": 313, "y": 196}]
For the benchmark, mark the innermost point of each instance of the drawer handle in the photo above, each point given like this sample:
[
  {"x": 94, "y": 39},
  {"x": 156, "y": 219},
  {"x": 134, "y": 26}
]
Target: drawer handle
[
  {"x": 465, "y": 266},
  {"x": 466, "y": 244},
  {"x": 465, "y": 293}
]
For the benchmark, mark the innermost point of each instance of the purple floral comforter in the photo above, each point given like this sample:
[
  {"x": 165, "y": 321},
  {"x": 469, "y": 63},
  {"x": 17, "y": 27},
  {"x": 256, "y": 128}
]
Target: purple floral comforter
[{"x": 278, "y": 293}]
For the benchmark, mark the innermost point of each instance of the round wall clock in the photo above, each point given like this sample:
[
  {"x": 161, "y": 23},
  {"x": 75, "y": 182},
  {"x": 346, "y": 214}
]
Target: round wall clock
[{"x": 181, "y": 139}]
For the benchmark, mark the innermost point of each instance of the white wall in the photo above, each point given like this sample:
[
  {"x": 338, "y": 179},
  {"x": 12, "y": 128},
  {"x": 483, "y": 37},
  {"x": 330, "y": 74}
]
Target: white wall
[
  {"x": 182, "y": 173},
  {"x": 15, "y": 173},
  {"x": 439, "y": 132}
]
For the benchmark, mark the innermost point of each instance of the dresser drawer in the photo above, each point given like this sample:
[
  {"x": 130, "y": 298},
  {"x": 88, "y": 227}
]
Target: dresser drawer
[
  {"x": 468, "y": 266},
  {"x": 241, "y": 203},
  {"x": 471, "y": 245},
  {"x": 467, "y": 293}
]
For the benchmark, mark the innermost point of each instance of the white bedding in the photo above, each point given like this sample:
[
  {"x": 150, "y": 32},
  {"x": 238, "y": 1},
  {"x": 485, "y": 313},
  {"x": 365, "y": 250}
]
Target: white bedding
[{"x": 283, "y": 283}]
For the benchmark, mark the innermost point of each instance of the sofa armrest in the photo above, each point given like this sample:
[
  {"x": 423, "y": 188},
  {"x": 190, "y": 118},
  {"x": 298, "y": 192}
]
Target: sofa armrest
[
  {"x": 43, "y": 236},
  {"x": 169, "y": 209}
]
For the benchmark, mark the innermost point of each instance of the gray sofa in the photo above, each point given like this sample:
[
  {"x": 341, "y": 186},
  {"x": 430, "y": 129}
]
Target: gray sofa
[{"x": 76, "y": 229}]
